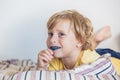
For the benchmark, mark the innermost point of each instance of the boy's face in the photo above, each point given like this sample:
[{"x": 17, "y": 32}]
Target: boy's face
[{"x": 62, "y": 37}]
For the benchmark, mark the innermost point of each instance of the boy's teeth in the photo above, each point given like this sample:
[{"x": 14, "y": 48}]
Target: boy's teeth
[{"x": 54, "y": 47}]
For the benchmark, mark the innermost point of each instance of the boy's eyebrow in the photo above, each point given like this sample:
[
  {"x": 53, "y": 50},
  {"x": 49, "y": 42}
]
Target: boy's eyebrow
[{"x": 60, "y": 30}]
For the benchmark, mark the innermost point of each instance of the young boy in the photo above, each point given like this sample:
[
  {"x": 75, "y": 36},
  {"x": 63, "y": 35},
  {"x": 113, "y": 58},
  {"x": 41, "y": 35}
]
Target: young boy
[{"x": 69, "y": 42}]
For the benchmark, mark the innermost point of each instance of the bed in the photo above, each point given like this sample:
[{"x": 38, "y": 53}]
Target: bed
[{"x": 15, "y": 69}]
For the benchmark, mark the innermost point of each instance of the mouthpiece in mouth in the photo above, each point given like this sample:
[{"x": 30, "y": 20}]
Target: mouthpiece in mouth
[{"x": 53, "y": 48}]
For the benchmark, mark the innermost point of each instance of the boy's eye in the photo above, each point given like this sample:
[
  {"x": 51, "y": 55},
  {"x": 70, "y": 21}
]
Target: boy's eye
[
  {"x": 50, "y": 34},
  {"x": 61, "y": 34}
]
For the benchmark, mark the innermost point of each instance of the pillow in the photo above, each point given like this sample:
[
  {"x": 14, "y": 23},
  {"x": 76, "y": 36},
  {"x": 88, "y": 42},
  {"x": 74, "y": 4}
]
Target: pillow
[
  {"x": 101, "y": 69},
  {"x": 59, "y": 75},
  {"x": 102, "y": 65}
]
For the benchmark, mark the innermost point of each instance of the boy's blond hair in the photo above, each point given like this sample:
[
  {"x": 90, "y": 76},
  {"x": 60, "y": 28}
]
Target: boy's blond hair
[{"x": 82, "y": 26}]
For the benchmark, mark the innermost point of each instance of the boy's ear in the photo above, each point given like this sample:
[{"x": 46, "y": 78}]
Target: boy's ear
[{"x": 79, "y": 45}]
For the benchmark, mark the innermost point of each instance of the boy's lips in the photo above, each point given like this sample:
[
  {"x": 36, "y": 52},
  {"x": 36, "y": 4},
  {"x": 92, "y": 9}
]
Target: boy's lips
[{"x": 53, "y": 48}]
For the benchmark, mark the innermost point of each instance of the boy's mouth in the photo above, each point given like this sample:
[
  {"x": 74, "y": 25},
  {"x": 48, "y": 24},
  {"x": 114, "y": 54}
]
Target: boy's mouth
[{"x": 53, "y": 48}]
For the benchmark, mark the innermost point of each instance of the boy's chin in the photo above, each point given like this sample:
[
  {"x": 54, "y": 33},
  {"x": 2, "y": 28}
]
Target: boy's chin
[{"x": 57, "y": 55}]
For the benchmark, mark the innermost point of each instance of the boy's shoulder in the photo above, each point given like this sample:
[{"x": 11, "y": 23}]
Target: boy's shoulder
[{"x": 89, "y": 56}]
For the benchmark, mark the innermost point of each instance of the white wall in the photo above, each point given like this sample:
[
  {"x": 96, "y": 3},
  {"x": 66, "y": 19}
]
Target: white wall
[{"x": 23, "y": 23}]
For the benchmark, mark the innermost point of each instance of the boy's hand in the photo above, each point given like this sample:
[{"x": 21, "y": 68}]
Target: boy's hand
[{"x": 44, "y": 58}]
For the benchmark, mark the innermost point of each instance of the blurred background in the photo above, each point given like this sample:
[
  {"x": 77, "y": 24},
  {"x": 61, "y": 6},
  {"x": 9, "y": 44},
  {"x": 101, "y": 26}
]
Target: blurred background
[{"x": 23, "y": 29}]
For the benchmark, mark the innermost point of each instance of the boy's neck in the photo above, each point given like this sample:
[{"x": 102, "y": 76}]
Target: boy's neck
[{"x": 69, "y": 62}]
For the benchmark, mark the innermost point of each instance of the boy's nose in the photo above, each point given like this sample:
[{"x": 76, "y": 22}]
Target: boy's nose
[{"x": 54, "y": 39}]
